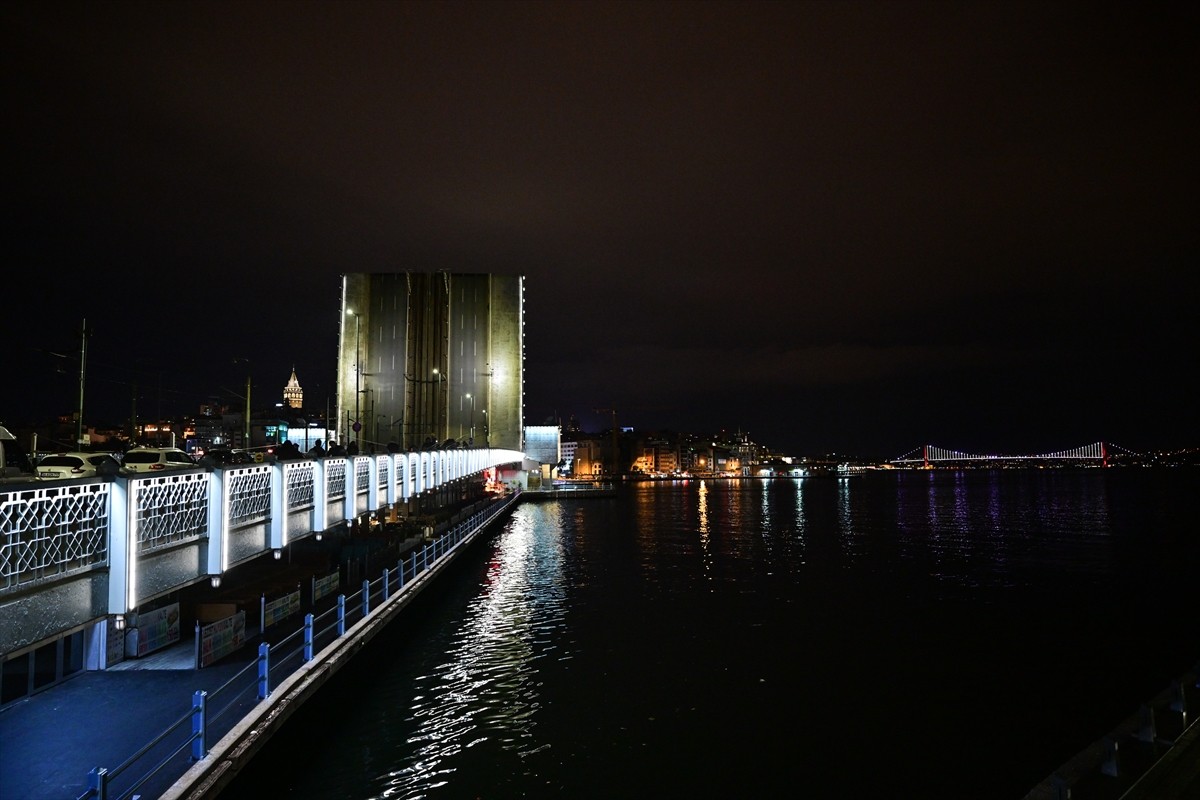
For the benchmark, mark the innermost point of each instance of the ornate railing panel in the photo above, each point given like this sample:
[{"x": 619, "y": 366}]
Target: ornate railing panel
[
  {"x": 53, "y": 530},
  {"x": 335, "y": 478},
  {"x": 170, "y": 508},
  {"x": 300, "y": 481},
  {"x": 385, "y": 470},
  {"x": 362, "y": 475},
  {"x": 249, "y": 495}
]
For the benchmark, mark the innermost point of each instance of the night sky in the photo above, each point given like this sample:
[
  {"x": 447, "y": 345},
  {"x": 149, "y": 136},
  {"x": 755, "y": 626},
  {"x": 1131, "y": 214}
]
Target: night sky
[{"x": 842, "y": 227}]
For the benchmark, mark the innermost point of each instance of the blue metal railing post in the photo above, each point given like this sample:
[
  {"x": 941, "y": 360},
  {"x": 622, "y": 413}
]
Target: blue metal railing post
[
  {"x": 199, "y": 726},
  {"x": 264, "y": 651},
  {"x": 341, "y": 615},
  {"x": 308, "y": 637},
  {"x": 385, "y": 583},
  {"x": 414, "y": 560},
  {"x": 366, "y": 597},
  {"x": 98, "y": 783}
]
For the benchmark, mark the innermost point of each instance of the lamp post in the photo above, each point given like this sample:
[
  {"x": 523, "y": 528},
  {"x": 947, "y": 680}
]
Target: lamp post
[
  {"x": 487, "y": 403},
  {"x": 438, "y": 380},
  {"x": 370, "y": 409},
  {"x": 83, "y": 336},
  {"x": 357, "y": 372},
  {"x": 246, "y": 421},
  {"x": 471, "y": 433}
]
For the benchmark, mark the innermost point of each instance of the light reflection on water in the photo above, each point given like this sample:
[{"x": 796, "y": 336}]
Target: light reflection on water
[
  {"x": 711, "y": 637},
  {"x": 486, "y": 691}
]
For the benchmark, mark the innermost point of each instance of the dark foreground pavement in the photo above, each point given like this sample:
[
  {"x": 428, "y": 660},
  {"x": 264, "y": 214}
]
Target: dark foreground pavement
[{"x": 51, "y": 741}]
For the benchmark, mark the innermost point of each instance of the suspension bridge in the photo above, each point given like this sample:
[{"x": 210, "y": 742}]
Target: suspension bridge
[{"x": 929, "y": 456}]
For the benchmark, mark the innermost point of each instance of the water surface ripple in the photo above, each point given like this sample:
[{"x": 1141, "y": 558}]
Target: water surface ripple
[{"x": 934, "y": 635}]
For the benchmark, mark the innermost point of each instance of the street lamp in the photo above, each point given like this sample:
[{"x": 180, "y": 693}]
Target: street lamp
[
  {"x": 471, "y": 397},
  {"x": 419, "y": 422}
]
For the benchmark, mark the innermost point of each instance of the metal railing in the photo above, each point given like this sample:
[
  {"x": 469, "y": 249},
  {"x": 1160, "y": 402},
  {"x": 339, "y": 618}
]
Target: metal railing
[{"x": 276, "y": 662}]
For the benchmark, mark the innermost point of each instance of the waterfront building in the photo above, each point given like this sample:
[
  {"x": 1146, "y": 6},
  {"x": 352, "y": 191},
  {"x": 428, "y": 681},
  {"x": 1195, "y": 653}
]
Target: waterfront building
[
  {"x": 745, "y": 451},
  {"x": 543, "y": 444},
  {"x": 567, "y": 450},
  {"x": 433, "y": 358},
  {"x": 661, "y": 455}
]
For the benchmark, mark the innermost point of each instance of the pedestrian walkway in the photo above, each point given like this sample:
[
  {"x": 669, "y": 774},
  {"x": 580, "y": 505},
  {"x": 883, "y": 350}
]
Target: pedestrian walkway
[{"x": 52, "y": 740}]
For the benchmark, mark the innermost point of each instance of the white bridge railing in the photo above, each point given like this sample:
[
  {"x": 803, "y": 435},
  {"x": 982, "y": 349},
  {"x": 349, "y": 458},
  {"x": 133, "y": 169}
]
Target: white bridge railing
[{"x": 132, "y": 527}]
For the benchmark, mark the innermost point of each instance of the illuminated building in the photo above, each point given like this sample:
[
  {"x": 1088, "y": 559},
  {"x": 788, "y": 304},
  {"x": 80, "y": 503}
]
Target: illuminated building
[{"x": 293, "y": 395}]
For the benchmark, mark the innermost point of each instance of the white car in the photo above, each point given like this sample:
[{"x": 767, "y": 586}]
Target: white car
[
  {"x": 76, "y": 465},
  {"x": 157, "y": 459}
]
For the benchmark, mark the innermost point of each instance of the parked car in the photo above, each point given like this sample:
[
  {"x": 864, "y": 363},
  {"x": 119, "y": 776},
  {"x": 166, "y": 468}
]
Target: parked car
[
  {"x": 157, "y": 459},
  {"x": 223, "y": 456},
  {"x": 58, "y": 466}
]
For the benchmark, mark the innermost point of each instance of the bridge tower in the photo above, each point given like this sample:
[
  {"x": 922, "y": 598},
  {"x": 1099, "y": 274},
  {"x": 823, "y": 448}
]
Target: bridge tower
[{"x": 925, "y": 455}]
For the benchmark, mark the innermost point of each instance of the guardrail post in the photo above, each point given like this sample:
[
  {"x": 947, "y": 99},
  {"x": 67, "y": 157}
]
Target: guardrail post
[
  {"x": 264, "y": 651},
  {"x": 366, "y": 597},
  {"x": 385, "y": 583},
  {"x": 308, "y": 637},
  {"x": 1111, "y": 765},
  {"x": 97, "y": 783},
  {"x": 414, "y": 560},
  {"x": 1178, "y": 698},
  {"x": 341, "y": 615},
  {"x": 1146, "y": 731},
  {"x": 199, "y": 726}
]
